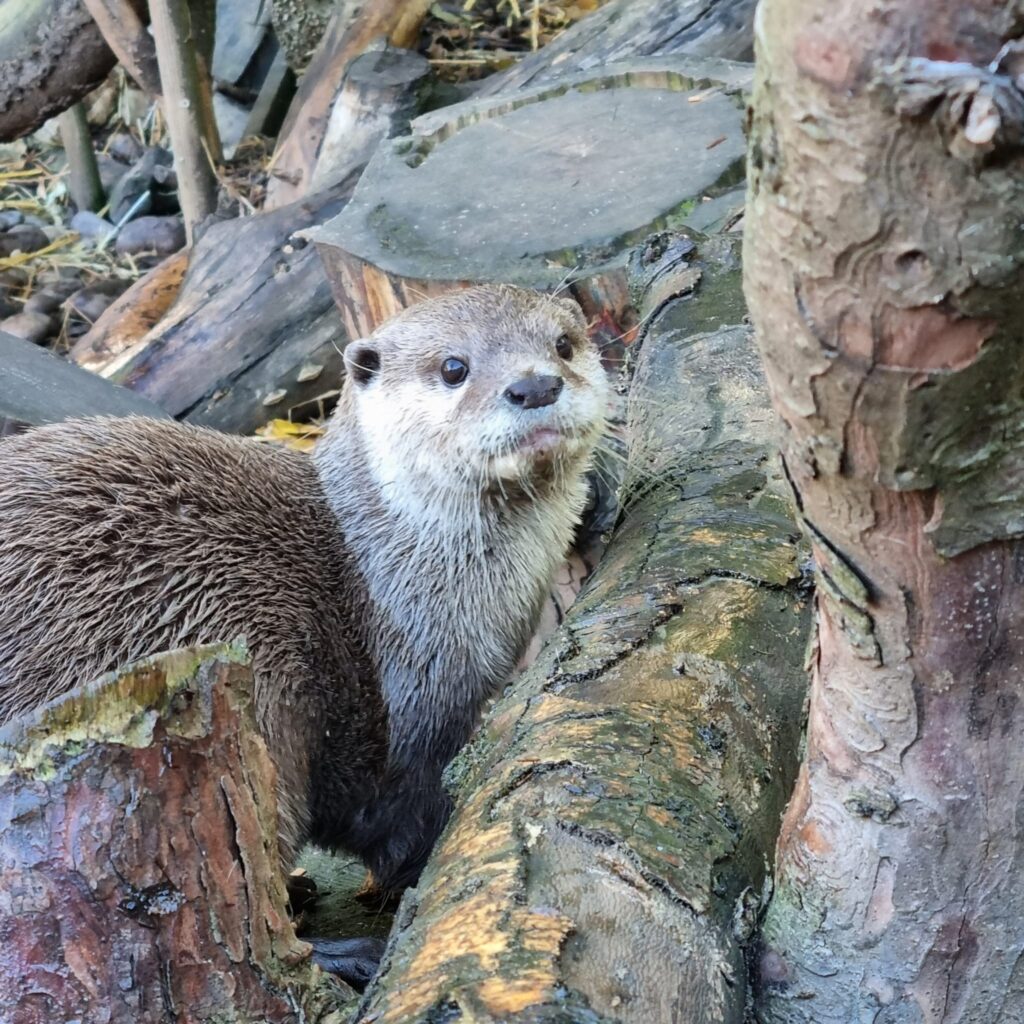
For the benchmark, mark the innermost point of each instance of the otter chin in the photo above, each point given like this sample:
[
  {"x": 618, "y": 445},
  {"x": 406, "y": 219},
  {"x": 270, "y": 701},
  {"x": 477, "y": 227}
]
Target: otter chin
[{"x": 415, "y": 549}]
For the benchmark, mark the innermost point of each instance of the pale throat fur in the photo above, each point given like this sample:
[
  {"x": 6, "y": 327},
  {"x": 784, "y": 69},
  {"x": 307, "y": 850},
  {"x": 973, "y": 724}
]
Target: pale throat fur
[{"x": 459, "y": 500}]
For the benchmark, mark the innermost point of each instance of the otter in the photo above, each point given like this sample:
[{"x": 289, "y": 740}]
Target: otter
[{"x": 386, "y": 586}]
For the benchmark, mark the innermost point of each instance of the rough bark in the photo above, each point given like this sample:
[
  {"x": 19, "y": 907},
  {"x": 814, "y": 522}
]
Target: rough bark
[
  {"x": 349, "y": 32},
  {"x": 884, "y": 234},
  {"x": 51, "y": 54},
  {"x": 236, "y": 348},
  {"x": 376, "y": 101},
  {"x": 627, "y": 29},
  {"x": 138, "y": 854},
  {"x": 533, "y": 187},
  {"x": 616, "y": 810}
]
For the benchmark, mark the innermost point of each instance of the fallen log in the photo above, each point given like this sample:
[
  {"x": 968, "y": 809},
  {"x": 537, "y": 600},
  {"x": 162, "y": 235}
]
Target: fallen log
[
  {"x": 36, "y": 387},
  {"x": 617, "y": 811},
  {"x": 245, "y": 340},
  {"x": 627, "y": 29},
  {"x": 536, "y": 188},
  {"x": 349, "y": 33},
  {"x": 138, "y": 856}
]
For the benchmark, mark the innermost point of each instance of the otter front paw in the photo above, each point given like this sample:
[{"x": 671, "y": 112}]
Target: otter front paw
[{"x": 355, "y": 961}]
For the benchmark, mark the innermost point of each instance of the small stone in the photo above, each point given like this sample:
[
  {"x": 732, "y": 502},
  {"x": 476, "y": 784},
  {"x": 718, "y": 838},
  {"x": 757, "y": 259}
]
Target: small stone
[
  {"x": 137, "y": 184},
  {"x": 125, "y": 148},
  {"x": 44, "y": 301},
  {"x": 162, "y": 235},
  {"x": 275, "y": 397},
  {"x": 91, "y": 225},
  {"x": 309, "y": 371},
  {"x": 89, "y": 302},
  {"x": 111, "y": 172},
  {"x": 10, "y": 219},
  {"x": 35, "y": 327},
  {"x": 23, "y": 238}
]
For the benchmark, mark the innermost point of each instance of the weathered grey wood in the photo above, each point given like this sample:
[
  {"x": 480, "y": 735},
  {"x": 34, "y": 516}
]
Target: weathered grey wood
[
  {"x": 379, "y": 96},
  {"x": 37, "y": 387},
  {"x": 616, "y": 813},
  {"x": 538, "y": 187},
  {"x": 252, "y": 322},
  {"x": 626, "y": 29}
]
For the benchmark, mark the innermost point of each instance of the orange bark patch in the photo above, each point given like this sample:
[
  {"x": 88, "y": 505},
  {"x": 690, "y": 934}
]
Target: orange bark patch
[
  {"x": 824, "y": 58},
  {"x": 930, "y": 338}
]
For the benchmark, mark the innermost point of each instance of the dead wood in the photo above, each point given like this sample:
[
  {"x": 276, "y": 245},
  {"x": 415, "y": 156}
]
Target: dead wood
[
  {"x": 36, "y": 387},
  {"x": 883, "y": 246},
  {"x": 615, "y": 815},
  {"x": 139, "y": 857},
  {"x": 349, "y": 33},
  {"x": 253, "y": 332},
  {"x": 126, "y": 35},
  {"x": 627, "y": 29},
  {"x": 536, "y": 187},
  {"x": 185, "y": 100}
]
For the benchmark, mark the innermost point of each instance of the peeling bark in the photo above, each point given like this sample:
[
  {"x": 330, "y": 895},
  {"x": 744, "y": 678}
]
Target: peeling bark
[
  {"x": 617, "y": 809},
  {"x": 139, "y": 880},
  {"x": 884, "y": 244}
]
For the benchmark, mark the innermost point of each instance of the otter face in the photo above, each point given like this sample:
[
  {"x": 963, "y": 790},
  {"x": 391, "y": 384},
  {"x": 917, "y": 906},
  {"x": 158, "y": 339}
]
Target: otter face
[{"x": 493, "y": 384}]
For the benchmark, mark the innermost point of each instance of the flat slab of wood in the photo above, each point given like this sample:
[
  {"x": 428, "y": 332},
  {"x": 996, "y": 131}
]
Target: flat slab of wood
[
  {"x": 547, "y": 183},
  {"x": 36, "y": 387}
]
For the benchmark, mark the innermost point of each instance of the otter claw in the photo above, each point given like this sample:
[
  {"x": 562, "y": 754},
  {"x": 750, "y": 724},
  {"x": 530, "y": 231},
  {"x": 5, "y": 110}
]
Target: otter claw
[{"x": 355, "y": 961}]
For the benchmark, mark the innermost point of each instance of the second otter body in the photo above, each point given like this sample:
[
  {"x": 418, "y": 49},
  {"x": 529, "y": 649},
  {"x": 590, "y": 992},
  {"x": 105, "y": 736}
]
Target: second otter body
[{"x": 385, "y": 587}]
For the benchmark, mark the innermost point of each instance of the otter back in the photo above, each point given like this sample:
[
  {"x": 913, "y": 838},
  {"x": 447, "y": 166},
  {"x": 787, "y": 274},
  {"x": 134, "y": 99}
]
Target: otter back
[{"x": 119, "y": 538}]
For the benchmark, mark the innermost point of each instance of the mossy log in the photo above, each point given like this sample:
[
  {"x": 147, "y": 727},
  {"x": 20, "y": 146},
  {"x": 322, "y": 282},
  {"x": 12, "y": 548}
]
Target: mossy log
[
  {"x": 537, "y": 187},
  {"x": 138, "y": 857},
  {"x": 617, "y": 811}
]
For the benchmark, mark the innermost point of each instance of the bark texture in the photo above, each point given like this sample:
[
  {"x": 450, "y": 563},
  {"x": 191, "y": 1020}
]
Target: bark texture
[
  {"x": 617, "y": 808},
  {"x": 138, "y": 857},
  {"x": 884, "y": 247}
]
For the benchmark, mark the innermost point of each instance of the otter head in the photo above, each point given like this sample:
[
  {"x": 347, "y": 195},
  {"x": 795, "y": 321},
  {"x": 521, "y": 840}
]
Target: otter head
[{"x": 495, "y": 386}]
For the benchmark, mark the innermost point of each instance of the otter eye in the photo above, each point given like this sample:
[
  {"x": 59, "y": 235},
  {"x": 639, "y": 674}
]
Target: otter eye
[
  {"x": 564, "y": 347},
  {"x": 454, "y": 372}
]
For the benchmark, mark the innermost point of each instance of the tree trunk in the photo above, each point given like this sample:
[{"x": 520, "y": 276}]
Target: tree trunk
[
  {"x": 138, "y": 850},
  {"x": 533, "y": 187},
  {"x": 616, "y": 810},
  {"x": 884, "y": 227}
]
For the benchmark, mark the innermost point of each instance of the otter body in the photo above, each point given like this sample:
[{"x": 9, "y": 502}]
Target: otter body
[{"x": 386, "y": 586}]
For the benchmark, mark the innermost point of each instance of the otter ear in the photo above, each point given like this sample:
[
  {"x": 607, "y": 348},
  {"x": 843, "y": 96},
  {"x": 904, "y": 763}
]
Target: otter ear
[
  {"x": 362, "y": 361},
  {"x": 573, "y": 307}
]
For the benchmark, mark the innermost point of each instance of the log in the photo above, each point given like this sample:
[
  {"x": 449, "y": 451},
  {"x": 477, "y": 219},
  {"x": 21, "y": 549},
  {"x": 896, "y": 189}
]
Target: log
[
  {"x": 246, "y": 340},
  {"x": 536, "y": 188},
  {"x": 883, "y": 236},
  {"x": 126, "y": 35},
  {"x": 138, "y": 853},
  {"x": 381, "y": 93},
  {"x": 36, "y": 387},
  {"x": 608, "y": 847},
  {"x": 627, "y": 29},
  {"x": 350, "y": 31}
]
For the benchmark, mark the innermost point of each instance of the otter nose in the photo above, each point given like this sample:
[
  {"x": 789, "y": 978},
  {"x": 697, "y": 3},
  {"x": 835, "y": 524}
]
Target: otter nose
[{"x": 533, "y": 392}]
